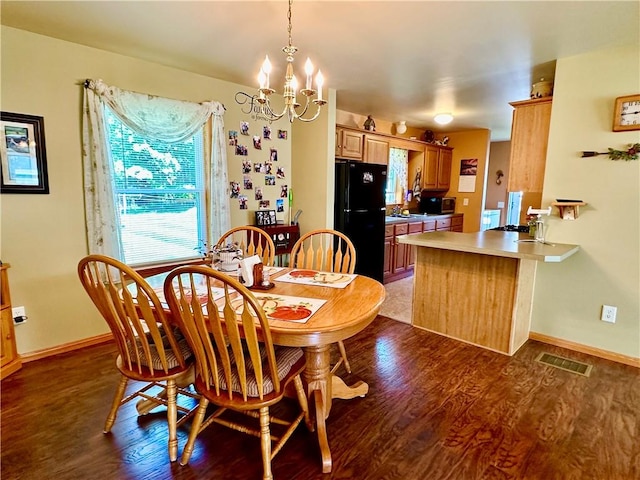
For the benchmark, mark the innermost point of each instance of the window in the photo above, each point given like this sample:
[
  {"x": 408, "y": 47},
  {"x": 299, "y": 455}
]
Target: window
[
  {"x": 159, "y": 194},
  {"x": 396, "y": 187}
]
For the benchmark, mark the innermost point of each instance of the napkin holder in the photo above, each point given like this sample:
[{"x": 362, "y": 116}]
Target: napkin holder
[{"x": 247, "y": 269}]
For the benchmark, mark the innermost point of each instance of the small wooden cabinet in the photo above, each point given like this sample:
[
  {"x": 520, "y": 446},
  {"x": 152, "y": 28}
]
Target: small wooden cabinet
[
  {"x": 349, "y": 144},
  {"x": 284, "y": 237},
  {"x": 9, "y": 359},
  {"x": 437, "y": 168},
  {"x": 376, "y": 150}
]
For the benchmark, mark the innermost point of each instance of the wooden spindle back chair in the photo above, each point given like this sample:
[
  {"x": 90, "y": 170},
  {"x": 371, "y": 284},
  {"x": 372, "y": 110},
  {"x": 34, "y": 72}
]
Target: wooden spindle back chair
[
  {"x": 252, "y": 241},
  {"x": 328, "y": 251},
  {"x": 151, "y": 349},
  {"x": 237, "y": 365}
]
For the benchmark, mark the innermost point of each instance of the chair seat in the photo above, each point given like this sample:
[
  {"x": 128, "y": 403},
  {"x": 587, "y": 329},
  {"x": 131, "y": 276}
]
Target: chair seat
[
  {"x": 286, "y": 358},
  {"x": 156, "y": 361}
]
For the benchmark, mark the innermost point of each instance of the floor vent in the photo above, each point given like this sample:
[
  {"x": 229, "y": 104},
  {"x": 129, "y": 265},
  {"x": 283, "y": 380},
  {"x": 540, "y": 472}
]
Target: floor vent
[{"x": 565, "y": 364}]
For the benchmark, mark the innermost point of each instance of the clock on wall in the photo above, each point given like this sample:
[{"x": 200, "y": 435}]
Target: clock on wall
[{"x": 626, "y": 115}]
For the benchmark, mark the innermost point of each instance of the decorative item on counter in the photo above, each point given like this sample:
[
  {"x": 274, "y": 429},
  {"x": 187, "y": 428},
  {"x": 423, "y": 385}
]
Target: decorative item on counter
[
  {"x": 630, "y": 154},
  {"x": 370, "y": 124},
  {"x": 539, "y": 226},
  {"x": 543, "y": 88}
]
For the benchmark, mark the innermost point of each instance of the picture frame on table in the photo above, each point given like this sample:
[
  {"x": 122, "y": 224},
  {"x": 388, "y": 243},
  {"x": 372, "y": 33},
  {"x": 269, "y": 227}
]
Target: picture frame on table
[
  {"x": 23, "y": 154},
  {"x": 265, "y": 218}
]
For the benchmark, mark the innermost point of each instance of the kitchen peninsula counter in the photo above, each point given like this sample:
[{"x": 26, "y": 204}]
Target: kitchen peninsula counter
[{"x": 478, "y": 287}]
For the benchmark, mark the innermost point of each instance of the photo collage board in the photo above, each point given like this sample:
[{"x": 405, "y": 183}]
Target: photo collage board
[{"x": 257, "y": 181}]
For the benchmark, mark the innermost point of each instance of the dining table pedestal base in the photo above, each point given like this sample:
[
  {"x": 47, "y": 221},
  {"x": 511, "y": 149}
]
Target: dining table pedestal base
[{"x": 320, "y": 384}]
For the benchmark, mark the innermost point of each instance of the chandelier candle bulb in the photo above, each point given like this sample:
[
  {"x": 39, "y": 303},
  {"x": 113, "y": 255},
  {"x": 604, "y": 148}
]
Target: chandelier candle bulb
[
  {"x": 308, "y": 69},
  {"x": 266, "y": 68},
  {"x": 319, "y": 83}
]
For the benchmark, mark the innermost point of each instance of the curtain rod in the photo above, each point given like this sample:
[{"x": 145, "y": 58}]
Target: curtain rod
[{"x": 87, "y": 83}]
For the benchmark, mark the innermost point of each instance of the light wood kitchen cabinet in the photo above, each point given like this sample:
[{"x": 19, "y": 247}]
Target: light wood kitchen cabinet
[
  {"x": 9, "y": 359},
  {"x": 436, "y": 170},
  {"x": 529, "y": 137},
  {"x": 376, "y": 150},
  {"x": 349, "y": 144}
]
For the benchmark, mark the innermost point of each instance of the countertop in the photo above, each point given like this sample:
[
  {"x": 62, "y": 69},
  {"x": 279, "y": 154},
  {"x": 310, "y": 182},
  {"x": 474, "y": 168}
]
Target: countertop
[
  {"x": 416, "y": 218},
  {"x": 491, "y": 242}
]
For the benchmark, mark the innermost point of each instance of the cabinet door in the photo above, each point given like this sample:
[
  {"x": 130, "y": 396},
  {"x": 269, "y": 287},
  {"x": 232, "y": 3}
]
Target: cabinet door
[
  {"x": 7, "y": 340},
  {"x": 388, "y": 255},
  {"x": 443, "y": 225},
  {"x": 351, "y": 144},
  {"x": 529, "y": 136},
  {"x": 457, "y": 222},
  {"x": 430, "y": 171},
  {"x": 400, "y": 249},
  {"x": 376, "y": 150},
  {"x": 444, "y": 169},
  {"x": 415, "y": 227}
]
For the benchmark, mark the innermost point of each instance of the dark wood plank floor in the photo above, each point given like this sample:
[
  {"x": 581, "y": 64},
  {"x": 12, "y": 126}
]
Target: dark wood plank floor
[{"x": 437, "y": 409}]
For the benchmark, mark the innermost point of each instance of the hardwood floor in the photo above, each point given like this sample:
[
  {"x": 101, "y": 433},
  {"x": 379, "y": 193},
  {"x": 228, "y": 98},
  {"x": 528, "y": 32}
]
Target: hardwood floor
[{"x": 437, "y": 409}]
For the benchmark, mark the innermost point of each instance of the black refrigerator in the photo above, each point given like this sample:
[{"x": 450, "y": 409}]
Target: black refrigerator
[{"x": 359, "y": 212}]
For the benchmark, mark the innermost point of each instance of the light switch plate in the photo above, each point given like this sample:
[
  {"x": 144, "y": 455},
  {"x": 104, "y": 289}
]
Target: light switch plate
[{"x": 465, "y": 202}]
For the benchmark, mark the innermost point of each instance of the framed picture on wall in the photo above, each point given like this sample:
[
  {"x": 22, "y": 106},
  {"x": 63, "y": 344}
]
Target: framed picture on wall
[
  {"x": 265, "y": 218},
  {"x": 23, "y": 155}
]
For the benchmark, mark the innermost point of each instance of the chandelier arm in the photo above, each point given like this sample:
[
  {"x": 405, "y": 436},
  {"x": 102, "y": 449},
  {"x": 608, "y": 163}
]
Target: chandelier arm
[{"x": 317, "y": 114}]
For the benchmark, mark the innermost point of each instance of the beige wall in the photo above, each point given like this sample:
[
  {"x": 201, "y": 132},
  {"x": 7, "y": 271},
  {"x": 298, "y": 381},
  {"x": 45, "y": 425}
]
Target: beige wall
[
  {"x": 498, "y": 160},
  {"x": 472, "y": 144},
  {"x": 313, "y": 151},
  {"x": 43, "y": 236},
  {"x": 569, "y": 295}
]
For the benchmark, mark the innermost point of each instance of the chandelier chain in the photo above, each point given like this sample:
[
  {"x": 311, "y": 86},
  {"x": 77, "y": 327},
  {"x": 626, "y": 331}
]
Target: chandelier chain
[{"x": 289, "y": 18}]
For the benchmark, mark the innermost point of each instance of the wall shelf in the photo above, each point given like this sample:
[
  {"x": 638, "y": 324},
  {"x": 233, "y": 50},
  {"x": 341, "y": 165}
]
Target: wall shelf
[{"x": 568, "y": 210}]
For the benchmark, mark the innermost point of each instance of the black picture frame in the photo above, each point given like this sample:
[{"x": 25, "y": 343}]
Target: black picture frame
[
  {"x": 23, "y": 154},
  {"x": 265, "y": 218}
]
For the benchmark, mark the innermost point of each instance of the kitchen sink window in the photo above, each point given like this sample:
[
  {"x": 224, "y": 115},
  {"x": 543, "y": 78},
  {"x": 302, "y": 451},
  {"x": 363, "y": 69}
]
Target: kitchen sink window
[{"x": 395, "y": 190}]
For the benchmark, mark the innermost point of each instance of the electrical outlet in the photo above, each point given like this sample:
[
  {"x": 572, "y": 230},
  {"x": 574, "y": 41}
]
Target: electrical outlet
[
  {"x": 465, "y": 202},
  {"x": 19, "y": 315},
  {"x": 608, "y": 314}
]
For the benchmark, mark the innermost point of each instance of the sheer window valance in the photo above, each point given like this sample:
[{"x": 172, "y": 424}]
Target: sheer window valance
[{"x": 155, "y": 117}]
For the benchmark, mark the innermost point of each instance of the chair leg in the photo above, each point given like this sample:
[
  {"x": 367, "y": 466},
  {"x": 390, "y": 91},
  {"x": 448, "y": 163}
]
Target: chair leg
[
  {"x": 172, "y": 419},
  {"x": 343, "y": 354},
  {"x": 117, "y": 400},
  {"x": 302, "y": 399},
  {"x": 195, "y": 430},
  {"x": 265, "y": 443}
]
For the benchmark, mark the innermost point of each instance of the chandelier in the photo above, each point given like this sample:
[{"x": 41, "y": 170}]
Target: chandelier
[{"x": 291, "y": 105}]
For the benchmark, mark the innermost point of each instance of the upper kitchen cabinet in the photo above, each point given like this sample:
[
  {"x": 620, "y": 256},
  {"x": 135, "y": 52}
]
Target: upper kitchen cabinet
[
  {"x": 349, "y": 144},
  {"x": 435, "y": 168},
  {"x": 529, "y": 136},
  {"x": 376, "y": 149}
]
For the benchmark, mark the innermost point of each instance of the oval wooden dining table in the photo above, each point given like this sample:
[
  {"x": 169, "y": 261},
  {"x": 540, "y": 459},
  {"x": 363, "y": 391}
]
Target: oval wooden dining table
[{"x": 347, "y": 311}]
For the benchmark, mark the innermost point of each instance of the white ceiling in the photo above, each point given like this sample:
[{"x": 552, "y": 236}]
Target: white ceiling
[{"x": 395, "y": 60}]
